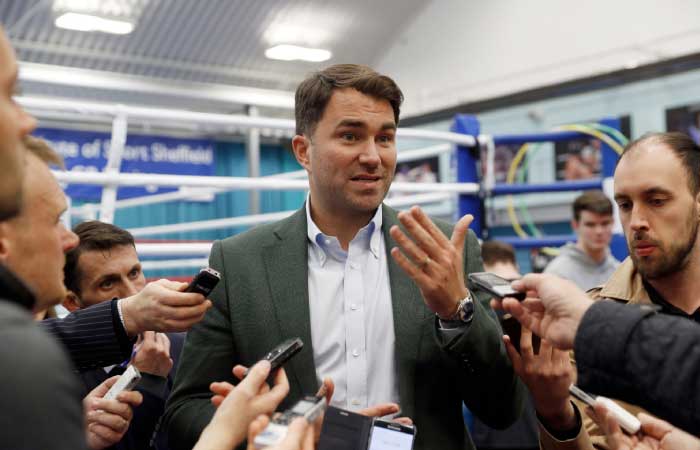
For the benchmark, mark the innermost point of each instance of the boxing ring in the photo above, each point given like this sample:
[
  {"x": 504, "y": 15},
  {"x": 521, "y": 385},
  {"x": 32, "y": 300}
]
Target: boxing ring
[{"x": 470, "y": 192}]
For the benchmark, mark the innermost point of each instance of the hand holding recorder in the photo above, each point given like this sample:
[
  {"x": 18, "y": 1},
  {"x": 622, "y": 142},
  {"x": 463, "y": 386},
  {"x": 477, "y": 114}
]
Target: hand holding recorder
[
  {"x": 654, "y": 433},
  {"x": 107, "y": 418},
  {"x": 553, "y": 310},
  {"x": 238, "y": 406},
  {"x": 168, "y": 306}
]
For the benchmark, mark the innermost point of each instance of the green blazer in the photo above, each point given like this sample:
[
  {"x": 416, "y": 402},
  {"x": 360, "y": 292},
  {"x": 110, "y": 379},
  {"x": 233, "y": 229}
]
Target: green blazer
[{"x": 263, "y": 299}]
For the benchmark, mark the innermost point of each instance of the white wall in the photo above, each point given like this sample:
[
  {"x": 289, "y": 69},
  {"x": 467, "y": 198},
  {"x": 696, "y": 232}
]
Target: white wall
[{"x": 461, "y": 51}]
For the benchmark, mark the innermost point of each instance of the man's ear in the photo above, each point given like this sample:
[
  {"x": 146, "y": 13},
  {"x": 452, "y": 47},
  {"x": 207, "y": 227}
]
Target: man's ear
[
  {"x": 5, "y": 243},
  {"x": 71, "y": 302},
  {"x": 300, "y": 146},
  {"x": 574, "y": 225}
]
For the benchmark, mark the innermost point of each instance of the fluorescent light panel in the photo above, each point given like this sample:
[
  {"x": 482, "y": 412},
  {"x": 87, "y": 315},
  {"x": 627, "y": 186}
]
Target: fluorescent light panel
[
  {"x": 287, "y": 52},
  {"x": 87, "y": 22}
]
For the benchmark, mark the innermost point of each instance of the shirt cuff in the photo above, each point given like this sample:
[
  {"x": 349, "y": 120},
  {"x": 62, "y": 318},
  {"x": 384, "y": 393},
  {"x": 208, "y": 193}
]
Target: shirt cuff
[{"x": 564, "y": 435}]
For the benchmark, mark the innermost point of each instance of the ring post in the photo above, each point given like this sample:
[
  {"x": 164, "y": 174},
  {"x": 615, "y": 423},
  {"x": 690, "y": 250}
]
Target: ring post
[
  {"x": 609, "y": 158},
  {"x": 468, "y": 171}
]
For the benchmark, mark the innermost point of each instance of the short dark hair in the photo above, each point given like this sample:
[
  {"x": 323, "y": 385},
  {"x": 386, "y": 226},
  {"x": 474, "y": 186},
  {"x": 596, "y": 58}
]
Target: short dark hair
[
  {"x": 593, "y": 201},
  {"x": 682, "y": 145},
  {"x": 314, "y": 93},
  {"x": 94, "y": 235},
  {"x": 493, "y": 252}
]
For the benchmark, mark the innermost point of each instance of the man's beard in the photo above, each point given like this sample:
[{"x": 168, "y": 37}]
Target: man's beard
[{"x": 669, "y": 261}]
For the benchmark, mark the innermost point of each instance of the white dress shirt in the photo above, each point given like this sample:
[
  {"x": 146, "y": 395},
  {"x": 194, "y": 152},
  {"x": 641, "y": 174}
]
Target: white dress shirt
[{"x": 352, "y": 323}]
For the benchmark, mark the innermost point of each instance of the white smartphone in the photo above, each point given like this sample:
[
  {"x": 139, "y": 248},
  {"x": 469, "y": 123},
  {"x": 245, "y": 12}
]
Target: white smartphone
[
  {"x": 126, "y": 382},
  {"x": 627, "y": 421}
]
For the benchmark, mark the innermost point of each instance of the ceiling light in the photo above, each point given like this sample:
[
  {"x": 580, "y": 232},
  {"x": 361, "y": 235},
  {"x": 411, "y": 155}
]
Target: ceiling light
[
  {"x": 87, "y": 22},
  {"x": 286, "y": 52}
]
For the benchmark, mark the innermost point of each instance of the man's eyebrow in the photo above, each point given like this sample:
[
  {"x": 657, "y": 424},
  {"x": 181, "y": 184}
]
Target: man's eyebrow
[
  {"x": 657, "y": 190},
  {"x": 389, "y": 126},
  {"x": 107, "y": 277},
  {"x": 351, "y": 123}
]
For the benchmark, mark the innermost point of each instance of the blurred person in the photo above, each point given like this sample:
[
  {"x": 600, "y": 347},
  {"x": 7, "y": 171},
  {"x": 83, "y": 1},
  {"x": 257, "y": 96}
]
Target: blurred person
[
  {"x": 499, "y": 258},
  {"x": 103, "y": 266},
  {"x": 619, "y": 352},
  {"x": 106, "y": 420},
  {"x": 325, "y": 274},
  {"x": 659, "y": 212},
  {"x": 38, "y": 409},
  {"x": 588, "y": 262},
  {"x": 104, "y": 333}
]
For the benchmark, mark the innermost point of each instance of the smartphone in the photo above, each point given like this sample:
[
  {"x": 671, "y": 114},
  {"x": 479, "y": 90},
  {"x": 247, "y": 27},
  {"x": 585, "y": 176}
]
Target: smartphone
[
  {"x": 512, "y": 328},
  {"x": 309, "y": 407},
  {"x": 279, "y": 355},
  {"x": 204, "y": 282},
  {"x": 391, "y": 436},
  {"x": 126, "y": 382},
  {"x": 344, "y": 430},
  {"x": 628, "y": 423},
  {"x": 494, "y": 285}
]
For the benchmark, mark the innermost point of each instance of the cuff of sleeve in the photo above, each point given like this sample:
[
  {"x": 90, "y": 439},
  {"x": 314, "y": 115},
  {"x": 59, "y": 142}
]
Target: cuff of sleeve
[
  {"x": 125, "y": 342},
  {"x": 575, "y": 439},
  {"x": 154, "y": 385}
]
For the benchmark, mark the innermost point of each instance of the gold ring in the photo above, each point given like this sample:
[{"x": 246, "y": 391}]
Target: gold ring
[{"x": 426, "y": 261}]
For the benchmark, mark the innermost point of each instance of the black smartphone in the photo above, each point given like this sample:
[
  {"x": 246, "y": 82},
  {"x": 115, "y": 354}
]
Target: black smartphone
[
  {"x": 204, "y": 282},
  {"x": 391, "y": 436},
  {"x": 344, "y": 430},
  {"x": 512, "y": 328},
  {"x": 494, "y": 285},
  {"x": 282, "y": 353}
]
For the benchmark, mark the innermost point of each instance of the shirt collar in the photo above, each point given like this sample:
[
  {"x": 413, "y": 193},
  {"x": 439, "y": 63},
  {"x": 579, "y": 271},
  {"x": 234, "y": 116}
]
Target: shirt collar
[
  {"x": 666, "y": 307},
  {"x": 14, "y": 290},
  {"x": 325, "y": 246}
]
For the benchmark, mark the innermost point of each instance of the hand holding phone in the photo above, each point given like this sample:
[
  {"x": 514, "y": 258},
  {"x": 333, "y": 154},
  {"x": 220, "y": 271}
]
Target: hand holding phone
[
  {"x": 204, "y": 282},
  {"x": 494, "y": 285},
  {"x": 126, "y": 382},
  {"x": 628, "y": 423},
  {"x": 279, "y": 355},
  {"x": 309, "y": 407}
]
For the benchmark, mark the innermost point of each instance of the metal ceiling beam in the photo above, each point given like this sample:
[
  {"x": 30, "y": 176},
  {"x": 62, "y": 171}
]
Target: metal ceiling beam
[{"x": 92, "y": 79}]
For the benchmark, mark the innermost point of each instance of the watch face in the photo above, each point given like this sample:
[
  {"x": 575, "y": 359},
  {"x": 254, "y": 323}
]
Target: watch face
[{"x": 466, "y": 309}]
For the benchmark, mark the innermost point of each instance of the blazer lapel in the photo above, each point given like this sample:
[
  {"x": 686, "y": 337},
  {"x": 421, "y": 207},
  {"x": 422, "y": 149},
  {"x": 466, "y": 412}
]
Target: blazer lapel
[
  {"x": 287, "y": 272},
  {"x": 409, "y": 315}
]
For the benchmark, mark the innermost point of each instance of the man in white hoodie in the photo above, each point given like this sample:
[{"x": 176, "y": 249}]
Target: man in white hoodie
[{"x": 588, "y": 262}]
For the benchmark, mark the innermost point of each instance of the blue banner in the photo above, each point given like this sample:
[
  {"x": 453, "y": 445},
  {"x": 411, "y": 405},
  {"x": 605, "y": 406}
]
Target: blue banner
[{"x": 86, "y": 151}]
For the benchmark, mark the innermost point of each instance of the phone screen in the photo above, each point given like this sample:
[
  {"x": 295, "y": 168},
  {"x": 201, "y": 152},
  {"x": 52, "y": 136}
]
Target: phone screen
[{"x": 388, "y": 437}]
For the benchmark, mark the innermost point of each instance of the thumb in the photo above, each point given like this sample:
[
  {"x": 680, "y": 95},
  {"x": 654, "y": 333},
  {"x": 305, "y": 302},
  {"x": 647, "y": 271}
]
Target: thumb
[
  {"x": 653, "y": 426},
  {"x": 460, "y": 232},
  {"x": 104, "y": 387},
  {"x": 255, "y": 377}
]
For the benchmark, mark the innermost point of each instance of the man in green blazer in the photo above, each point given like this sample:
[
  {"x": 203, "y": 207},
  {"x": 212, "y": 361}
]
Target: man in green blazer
[{"x": 378, "y": 297}]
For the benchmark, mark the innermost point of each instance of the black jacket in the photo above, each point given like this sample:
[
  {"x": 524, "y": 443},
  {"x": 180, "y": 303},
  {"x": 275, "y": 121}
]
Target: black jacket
[
  {"x": 40, "y": 395},
  {"x": 652, "y": 360},
  {"x": 94, "y": 337}
]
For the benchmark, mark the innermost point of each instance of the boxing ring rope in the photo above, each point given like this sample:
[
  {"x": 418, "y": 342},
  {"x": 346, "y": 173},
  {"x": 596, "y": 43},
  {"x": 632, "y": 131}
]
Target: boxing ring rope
[
  {"x": 90, "y": 209},
  {"x": 462, "y": 140}
]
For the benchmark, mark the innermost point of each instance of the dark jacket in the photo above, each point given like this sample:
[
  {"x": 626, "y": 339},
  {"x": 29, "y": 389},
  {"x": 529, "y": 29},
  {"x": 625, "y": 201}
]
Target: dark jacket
[
  {"x": 94, "y": 337},
  {"x": 40, "y": 395},
  {"x": 263, "y": 299},
  {"x": 155, "y": 391},
  {"x": 649, "y": 359}
]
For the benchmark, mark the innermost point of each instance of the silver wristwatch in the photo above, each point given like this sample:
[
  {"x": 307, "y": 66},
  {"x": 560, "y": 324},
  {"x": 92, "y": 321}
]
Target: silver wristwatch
[{"x": 465, "y": 311}]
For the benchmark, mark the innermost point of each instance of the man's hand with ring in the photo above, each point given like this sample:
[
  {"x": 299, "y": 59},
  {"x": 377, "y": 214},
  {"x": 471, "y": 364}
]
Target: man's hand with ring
[{"x": 434, "y": 262}]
